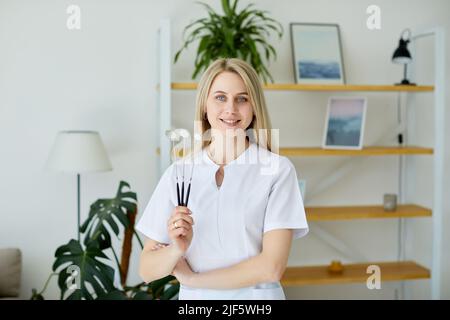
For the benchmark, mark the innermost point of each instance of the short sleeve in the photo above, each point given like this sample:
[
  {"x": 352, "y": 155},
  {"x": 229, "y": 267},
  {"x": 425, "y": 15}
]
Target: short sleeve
[
  {"x": 153, "y": 223},
  {"x": 285, "y": 209}
]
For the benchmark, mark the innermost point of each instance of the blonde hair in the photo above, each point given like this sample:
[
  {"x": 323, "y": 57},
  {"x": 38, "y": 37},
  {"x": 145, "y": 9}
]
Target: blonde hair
[{"x": 260, "y": 123}]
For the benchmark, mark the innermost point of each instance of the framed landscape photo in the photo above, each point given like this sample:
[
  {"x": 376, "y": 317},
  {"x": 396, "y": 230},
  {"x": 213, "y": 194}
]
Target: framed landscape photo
[
  {"x": 317, "y": 53},
  {"x": 344, "y": 126}
]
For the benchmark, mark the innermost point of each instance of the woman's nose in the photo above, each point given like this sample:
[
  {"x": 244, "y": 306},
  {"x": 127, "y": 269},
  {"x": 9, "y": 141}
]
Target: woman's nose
[{"x": 231, "y": 106}]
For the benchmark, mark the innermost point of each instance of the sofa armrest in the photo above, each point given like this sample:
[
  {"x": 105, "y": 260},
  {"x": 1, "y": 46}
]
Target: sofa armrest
[{"x": 10, "y": 272}]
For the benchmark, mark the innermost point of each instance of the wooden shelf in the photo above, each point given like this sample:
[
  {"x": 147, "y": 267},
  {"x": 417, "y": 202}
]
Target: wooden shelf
[
  {"x": 365, "y": 151},
  {"x": 365, "y": 212},
  {"x": 321, "y": 87},
  {"x": 390, "y": 271}
]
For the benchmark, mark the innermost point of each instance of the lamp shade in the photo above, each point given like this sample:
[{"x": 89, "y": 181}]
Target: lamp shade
[
  {"x": 401, "y": 54},
  {"x": 78, "y": 152}
]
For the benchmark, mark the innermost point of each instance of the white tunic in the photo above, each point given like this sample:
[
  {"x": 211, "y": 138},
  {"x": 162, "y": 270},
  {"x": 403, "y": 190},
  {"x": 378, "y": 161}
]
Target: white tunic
[{"x": 259, "y": 193}]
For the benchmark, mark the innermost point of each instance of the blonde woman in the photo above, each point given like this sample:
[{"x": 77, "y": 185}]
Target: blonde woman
[{"x": 245, "y": 207}]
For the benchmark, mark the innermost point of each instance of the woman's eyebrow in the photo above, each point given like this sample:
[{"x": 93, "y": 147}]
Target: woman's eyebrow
[{"x": 219, "y": 91}]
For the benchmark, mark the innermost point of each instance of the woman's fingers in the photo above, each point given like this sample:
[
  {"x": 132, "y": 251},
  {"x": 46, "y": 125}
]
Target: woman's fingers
[
  {"x": 180, "y": 223},
  {"x": 179, "y": 232},
  {"x": 180, "y": 216},
  {"x": 183, "y": 224},
  {"x": 182, "y": 229},
  {"x": 158, "y": 246},
  {"x": 182, "y": 209}
]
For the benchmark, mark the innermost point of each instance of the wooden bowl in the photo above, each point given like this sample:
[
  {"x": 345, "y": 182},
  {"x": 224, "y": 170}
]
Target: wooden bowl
[{"x": 335, "y": 267}]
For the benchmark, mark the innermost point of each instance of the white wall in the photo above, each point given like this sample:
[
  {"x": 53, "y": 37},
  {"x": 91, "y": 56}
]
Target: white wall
[{"x": 102, "y": 78}]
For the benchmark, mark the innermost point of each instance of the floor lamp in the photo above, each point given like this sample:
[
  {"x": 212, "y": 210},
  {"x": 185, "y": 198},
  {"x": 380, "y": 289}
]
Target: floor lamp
[{"x": 78, "y": 152}]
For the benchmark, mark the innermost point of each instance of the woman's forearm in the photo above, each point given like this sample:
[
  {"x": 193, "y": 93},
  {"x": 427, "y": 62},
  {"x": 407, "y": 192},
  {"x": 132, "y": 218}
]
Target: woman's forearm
[
  {"x": 156, "y": 264},
  {"x": 258, "y": 269}
]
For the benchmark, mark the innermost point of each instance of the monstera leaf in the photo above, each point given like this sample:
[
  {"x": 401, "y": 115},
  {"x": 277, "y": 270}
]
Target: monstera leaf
[
  {"x": 158, "y": 288},
  {"x": 121, "y": 295},
  {"x": 108, "y": 212},
  {"x": 93, "y": 273},
  {"x": 169, "y": 293},
  {"x": 114, "y": 295}
]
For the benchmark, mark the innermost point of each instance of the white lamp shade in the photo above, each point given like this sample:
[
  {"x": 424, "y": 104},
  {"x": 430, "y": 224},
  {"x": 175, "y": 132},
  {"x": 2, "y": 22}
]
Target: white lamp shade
[
  {"x": 402, "y": 60},
  {"x": 78, "y": 152}
]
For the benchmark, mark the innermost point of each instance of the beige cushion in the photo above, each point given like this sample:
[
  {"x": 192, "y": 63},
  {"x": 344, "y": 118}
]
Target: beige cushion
[{"x": 10, "y": 272}]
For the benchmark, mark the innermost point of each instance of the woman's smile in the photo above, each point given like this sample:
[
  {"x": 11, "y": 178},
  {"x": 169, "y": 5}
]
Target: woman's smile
[{"x": 229, "y": 123}]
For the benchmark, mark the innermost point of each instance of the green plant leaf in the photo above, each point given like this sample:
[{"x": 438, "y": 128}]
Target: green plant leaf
[
  {"x": 171, "y": 292},
  {"x": 142, "y": 295},
  {"x": 158, "y": 286},
  {"x": 233, "y": 7},
  {"x": 114, "y": 295},
  {"x": 92, "y": 271},
  {"x": 228, "y": 34},
  {"x": 108, "y": 212},
  {"x": 226, "y": 7}
]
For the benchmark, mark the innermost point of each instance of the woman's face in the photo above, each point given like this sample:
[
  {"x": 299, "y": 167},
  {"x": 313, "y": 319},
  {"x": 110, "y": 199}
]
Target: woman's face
[{"x": 228, "y": 105}]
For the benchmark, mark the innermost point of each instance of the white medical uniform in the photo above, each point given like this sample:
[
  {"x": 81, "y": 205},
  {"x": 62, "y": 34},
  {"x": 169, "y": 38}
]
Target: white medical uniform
[{"x": 259, "y": 193}]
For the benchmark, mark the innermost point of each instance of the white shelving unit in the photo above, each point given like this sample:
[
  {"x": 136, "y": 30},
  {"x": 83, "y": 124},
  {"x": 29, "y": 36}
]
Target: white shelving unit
[{"x": 398, "y": 271}]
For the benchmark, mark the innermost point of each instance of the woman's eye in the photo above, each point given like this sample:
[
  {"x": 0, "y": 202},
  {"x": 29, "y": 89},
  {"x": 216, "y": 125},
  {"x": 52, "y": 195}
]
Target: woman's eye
[{"x": 223, "y": 98}]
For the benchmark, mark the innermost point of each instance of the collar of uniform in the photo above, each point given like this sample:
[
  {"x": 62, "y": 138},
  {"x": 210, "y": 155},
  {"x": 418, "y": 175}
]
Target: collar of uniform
[{"x": 246, "y": 157}]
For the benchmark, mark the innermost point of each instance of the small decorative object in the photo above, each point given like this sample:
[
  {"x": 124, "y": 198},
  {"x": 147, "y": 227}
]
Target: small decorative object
[
  {"x": 345, "y": 120},
  {"x": 403, "y": 56},
  {"x": 335, "y": 267},
  {"x": 390, "y": 202},
  {"x": 233, "y": 34},
  {"x": 302, "y": 186},
  {"x": 317, "y": 53}
]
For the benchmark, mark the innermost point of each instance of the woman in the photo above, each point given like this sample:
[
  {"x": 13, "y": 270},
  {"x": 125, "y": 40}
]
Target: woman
[{"x": 245, "y": 206}]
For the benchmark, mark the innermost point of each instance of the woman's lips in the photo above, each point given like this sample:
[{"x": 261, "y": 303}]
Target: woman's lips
[{"x": 230, "y": 123}]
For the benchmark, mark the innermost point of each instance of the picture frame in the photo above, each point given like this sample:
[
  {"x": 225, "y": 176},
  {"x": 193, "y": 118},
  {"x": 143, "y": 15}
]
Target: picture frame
[
  {"x": 345, "y": 122},
  {"x": 317, "y": 53}
]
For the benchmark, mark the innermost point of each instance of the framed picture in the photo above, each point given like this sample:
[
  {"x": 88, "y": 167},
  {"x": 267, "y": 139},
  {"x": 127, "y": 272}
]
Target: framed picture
[
  {"x": 344, "y": 127},
  {"x": 317, "y": 53}
]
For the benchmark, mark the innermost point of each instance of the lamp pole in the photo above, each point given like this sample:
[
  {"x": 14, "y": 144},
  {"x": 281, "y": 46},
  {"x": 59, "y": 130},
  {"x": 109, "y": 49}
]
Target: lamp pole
[{"x": 78, "y": 201}]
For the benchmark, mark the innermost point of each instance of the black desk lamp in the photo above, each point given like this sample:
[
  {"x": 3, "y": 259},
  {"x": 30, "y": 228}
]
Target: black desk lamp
[{"x": 403, "y": 56}]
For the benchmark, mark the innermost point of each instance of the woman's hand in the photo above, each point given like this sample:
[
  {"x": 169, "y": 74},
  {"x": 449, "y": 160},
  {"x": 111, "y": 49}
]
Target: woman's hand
[
  {"x": 179, "y": 228},
  {"x": 183, "y": 271}
]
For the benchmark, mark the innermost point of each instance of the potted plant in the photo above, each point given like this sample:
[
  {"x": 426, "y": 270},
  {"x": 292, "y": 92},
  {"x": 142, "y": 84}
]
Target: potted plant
[
  {"x": 233, "y": 34},
  {"x": 94, "y": 274}
]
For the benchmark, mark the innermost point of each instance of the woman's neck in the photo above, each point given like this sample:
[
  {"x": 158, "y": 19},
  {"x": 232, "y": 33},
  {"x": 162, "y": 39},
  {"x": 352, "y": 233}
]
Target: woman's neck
[{"x": 223, "y": 151}]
